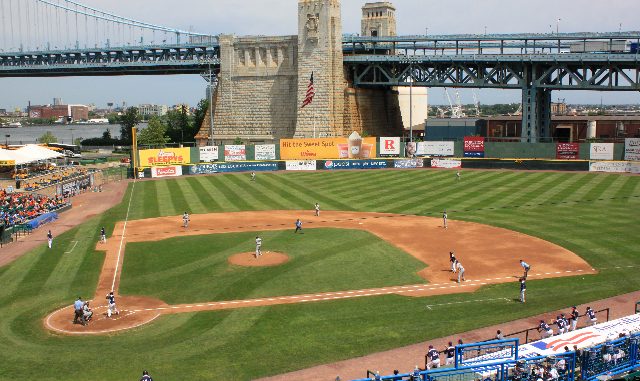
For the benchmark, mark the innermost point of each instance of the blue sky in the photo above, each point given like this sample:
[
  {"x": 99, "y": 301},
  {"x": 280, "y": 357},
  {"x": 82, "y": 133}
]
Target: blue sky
[{"x": 278, "y": 17}]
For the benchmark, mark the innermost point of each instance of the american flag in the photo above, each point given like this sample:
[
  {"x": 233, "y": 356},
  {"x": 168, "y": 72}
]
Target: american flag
[{"x": 311, "y": 92}]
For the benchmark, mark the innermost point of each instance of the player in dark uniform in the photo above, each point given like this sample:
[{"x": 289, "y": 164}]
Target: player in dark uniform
[
  {"x": 434, "y": 358},
  {"x": 523, "y": 289},
  {"x": 574, "y": 318},
  {"x": 592, "y": 316},
  {"x": 145, "y": 376},
  {"x": 544, "y": 329},
  {"x": 298, "y": 226},
  {"x": 450, "y": 351},
  {"x": 453, "y": 260},
  {"x": 103, "y": 235}
]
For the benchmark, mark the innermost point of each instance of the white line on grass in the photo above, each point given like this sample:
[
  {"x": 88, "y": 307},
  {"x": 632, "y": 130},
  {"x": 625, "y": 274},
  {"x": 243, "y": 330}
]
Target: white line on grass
[
  {"x": 124, "y": 228},
  {"x": 467, "y": 301},
  {"x": 74, "y": 246}
]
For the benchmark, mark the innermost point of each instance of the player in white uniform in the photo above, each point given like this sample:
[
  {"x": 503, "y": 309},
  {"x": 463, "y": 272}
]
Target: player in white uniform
[
  {"x": 185, "y": 220},
  {"x": 111, "y": 308},
  {"x": 317, "y": 207},
  {"x": 526, "y": 268},
  {"x": 253, "y": 176},
  {"x": 444, "y": 219},
  {"x": 460, "y": 272},
  {"x": 258, "y": 246}
]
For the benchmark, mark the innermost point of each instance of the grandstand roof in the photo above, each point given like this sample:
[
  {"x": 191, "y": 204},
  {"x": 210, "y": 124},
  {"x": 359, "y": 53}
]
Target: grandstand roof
[{"x": 28, "y": 154}]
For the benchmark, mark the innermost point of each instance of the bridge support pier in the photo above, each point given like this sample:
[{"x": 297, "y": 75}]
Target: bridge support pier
[{"x": 536, "y": 109}]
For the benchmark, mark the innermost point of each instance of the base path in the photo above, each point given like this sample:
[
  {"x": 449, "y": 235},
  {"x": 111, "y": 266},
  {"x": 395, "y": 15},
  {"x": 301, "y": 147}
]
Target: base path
[{"x": 490, "y": 255}]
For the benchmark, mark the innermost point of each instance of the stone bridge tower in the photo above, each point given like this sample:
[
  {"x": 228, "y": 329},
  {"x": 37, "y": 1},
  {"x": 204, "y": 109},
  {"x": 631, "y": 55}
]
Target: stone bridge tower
[{"x": 320, "y": 53}]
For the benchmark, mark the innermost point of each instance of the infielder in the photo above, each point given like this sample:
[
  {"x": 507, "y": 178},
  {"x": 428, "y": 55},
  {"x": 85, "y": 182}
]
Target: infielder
[
  {"x": 49, "y": 239},
  {"x": 444, "y": 219},
  {"x": 592, "y": 316},
  {"x": 526, "y": 268},
  {"x": 111, "y": 309},
  {"x": 453, "y": 260},
  {"x": 574, "y": 318},
  {"x": 298, "y": 226},
  {"x": 460, "y": 272},
  {"x": 434, "y": 358},
  {"x": 545, "y": 330},
  {"x": 317, "y": 209},
  {"x": 523, "y": 289},
  {"x": 185, "y": 220},
  {"x": 258, "y": 246},
  {"x": 103, "y": 235}
]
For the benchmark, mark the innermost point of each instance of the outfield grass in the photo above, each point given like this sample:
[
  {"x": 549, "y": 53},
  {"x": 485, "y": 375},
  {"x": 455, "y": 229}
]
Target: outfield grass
[
  {"x": 594, "y": 215},
  {"x": 321, "y": 260}
]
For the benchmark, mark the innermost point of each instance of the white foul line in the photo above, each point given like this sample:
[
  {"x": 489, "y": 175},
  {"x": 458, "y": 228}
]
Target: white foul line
[
  {"x": 126, "y": 218},
  {"x": 466, "y": 301},
  {"x": 74, "y": 246}
]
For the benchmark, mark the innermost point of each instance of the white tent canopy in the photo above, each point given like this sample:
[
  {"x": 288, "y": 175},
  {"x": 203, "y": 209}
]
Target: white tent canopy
[{"x": 28, "y": 154}]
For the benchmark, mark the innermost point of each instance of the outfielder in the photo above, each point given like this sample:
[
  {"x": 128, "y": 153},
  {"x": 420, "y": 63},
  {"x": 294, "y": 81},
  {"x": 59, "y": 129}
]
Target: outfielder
[
  {"x": 444, "y": 219},
  {"x": 103, "y": 235},
  {"x": 460, "y": 272},
  {"x": 253, "y": 176},
  {"x": 185, "y": 220},
  {"x": 111, "y": 308},
  {"x": 258, "y": 246},
  {"x": 317, "y": 209},
  {"x": 49, "y": 239}
]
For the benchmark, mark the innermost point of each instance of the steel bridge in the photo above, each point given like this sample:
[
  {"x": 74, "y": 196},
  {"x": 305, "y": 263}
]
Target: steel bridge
[{"x": 43, "y": 38}]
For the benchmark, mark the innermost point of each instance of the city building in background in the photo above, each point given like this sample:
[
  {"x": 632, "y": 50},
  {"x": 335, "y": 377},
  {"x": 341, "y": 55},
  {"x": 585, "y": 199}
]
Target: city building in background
[
  {"x": 76, "y": 112},
  {"x": 152, "y": 110}
]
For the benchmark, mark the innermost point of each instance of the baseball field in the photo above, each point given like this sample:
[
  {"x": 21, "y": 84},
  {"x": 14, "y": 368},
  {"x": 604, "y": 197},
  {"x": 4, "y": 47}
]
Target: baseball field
[{"x": 358, "y": 280}]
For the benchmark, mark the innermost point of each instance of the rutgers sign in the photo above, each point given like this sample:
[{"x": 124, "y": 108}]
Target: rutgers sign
[{"x": 389, "y": 146}]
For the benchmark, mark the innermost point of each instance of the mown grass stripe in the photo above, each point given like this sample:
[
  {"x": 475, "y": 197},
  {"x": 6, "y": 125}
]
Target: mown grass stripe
[
  {"x": 484, "y": 190},
  {"x": 294, "y": 193},
  {"x": 194, "y": 200},
  {"x": 501, "y": 195},
  {"x": 254, "y": 191},
  {"x": 165, "y": 199},
  {"x": 146, "y": 200},
  {"x": 180, "y": 202},
  {"x": 206, "y": 192},
  {"x": 235, "y": 203}
]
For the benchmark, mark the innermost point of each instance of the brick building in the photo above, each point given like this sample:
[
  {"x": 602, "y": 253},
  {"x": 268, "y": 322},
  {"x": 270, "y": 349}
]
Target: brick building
[{"x": 76, "y": 112}]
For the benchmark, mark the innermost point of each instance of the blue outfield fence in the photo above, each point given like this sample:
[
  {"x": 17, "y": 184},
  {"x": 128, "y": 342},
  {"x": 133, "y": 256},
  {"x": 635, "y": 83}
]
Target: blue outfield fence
[{"x": 43, "y": 219}]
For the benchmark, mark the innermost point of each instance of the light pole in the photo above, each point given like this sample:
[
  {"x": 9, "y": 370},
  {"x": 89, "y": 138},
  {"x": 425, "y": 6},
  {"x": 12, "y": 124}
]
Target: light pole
[
  {"x": 558, "y": 25},
  {"x": 411, "y": 106},
  {"x": 6, "y": 141}
]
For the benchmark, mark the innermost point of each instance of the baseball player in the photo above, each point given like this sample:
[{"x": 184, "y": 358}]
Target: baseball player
[
  {"x": 561, "y": 325},
  {"x": 49, "y": 239},
  {"x": 592, "y": 316},
  {"x": 145, "y": 376},
  {"x": 545, "y": 330},
  {"x": 523, "y": 289},
  {"x": 103, "y": 235},
  {"x": 258, "y": 246},
  {"x": 526, "y": 268},
  {"x": 460, "y": 271},
  {"x": 185, "y": 220},
  {"x": 444, "y": 219},
  {"x": 253, "y": 176},
  {"x": 112, "y": 309},
  {"x": 433, "y": 358},
  {"x": 450, "y": 350},
  {"x": 87, "y": 312},
  {"x": 453, "y": 260},
  {"x": 574, "y": 318},
  {"x": 298, "y": 226},
  {"x": 317, "y": 206},
  {"x": 457, "y": 175}
]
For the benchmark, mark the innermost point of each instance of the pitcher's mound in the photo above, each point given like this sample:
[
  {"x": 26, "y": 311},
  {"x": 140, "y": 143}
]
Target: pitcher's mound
[{"x": 268, "y": 258}]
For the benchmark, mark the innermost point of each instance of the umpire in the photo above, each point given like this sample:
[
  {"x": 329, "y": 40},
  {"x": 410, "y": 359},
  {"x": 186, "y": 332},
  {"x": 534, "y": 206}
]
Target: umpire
[{"x": 78, "y": 306}]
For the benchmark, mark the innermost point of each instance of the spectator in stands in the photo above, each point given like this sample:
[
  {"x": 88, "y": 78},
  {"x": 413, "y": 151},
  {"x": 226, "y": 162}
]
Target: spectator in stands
[{"x": 19, "y": 208}]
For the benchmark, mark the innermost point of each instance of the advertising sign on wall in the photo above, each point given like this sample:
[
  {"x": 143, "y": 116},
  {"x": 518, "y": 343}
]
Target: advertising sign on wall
[
  {"x": 202, "y": 169},
  {"x": 355, "y": 164},
  {"x": 208, "y": 154},
  {"x": 435, "y": 149},
  {"x": 567, "y": 151},
  {"x": 164, "y": 156},
  {"x": 300, "y": 165},
  {"x": 446, "y": 163},
  {"x": 601, "y": 151},
  {"x": 389, "y": 147},
  {"x": 473, "y": 146},
  {"x": 614, "y": 166},
  {"x": 408, "y": 163},
  {"x": 170, "y": 171},
  {"x": 235, "y": 153},
  {"x": 354, "y": 147},
  {"x": 265, "y": 152},
  {"x": 632, "y": 149}
]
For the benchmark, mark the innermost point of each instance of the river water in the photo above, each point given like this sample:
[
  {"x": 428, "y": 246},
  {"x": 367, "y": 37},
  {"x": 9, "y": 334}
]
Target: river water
[{"x": 65, "y": 133}]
